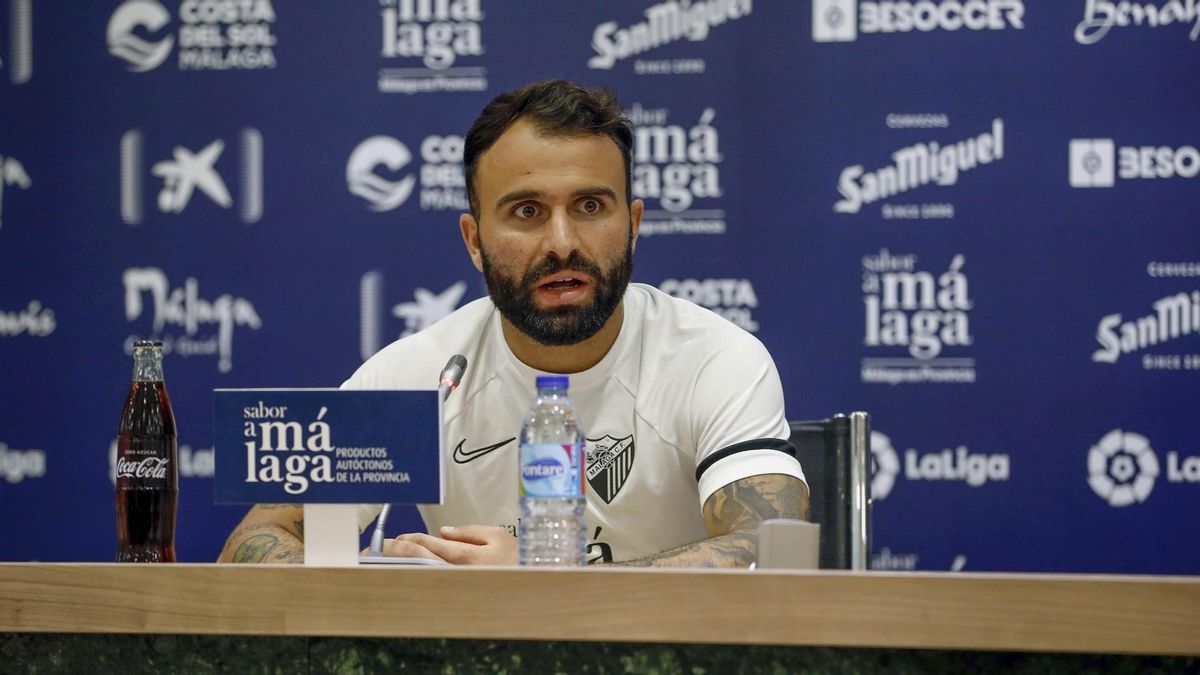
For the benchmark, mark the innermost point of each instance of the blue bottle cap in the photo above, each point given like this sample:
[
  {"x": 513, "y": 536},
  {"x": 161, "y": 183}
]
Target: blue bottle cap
[{"x": 552, "y": 381}]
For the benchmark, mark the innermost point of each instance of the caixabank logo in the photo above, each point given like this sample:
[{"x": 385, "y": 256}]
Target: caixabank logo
[
  {"x": 186, "y": 172},
  {"x": 677, "y": 171},
  {"x": 1173, "y": 320},
  {"x": 16, "y": 61},
  {"x": 1101, "y": 16},
  {"x": 384, "y": 173},
  {"x": 913, "y": 167},
  {"x": 1099, "y": 162},
  {"x": 431, "y": 46},
  {"x": 1123, "y": 468},
  {"x": 912, "y": 317},
  {"x": 847, "y": 20},
  {"x": 426, "y": 308},
  {"x": 204, "y": 34},
  {"x": 733, "y": 299},
  {"x": 958, "y": 464},
  {"x": 664, "y": 23},
  {"x": 188, "y": 324}
]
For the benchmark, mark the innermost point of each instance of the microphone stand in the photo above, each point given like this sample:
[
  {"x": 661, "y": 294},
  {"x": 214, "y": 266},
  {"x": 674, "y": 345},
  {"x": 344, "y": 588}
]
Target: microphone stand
[
  {"x": 451, "y": 375},
  {"x": 377, "y": 535}
]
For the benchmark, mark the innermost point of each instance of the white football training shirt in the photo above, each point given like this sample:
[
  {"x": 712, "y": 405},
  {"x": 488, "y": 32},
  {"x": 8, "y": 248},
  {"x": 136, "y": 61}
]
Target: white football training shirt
[{"x": 683, "y": 404}]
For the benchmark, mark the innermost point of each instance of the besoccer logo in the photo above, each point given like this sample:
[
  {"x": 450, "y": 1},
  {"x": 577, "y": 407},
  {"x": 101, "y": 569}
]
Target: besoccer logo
[
  {"x": 1122, "y": 468},
  {"x": 835, "y": 20},
  {"x": 380, "y": 194},
  {"x": 885, "y": 464},
  {"x": 1093, "y": 162},
  {"x": 139, "y": 55}
]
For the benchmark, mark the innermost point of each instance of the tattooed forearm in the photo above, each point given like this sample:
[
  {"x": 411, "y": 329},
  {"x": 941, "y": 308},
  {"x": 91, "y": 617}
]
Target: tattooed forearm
[
  {"x": 270, "y": 533},
  {"x": 736, "y": 549},
  {"x": 732, "y": 515},
  {"x": 271, "y": 545}
]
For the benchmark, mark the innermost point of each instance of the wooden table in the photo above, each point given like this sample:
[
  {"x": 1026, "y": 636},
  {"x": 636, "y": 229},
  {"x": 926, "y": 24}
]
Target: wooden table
[{"x": 987, "y": 612}]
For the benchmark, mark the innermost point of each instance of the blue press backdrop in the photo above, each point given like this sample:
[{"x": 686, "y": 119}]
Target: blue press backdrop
[{"x": 273, "y": 188}]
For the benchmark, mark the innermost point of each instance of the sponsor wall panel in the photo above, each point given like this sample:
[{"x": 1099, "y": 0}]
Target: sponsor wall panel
[{"x": 941, "y": 219}]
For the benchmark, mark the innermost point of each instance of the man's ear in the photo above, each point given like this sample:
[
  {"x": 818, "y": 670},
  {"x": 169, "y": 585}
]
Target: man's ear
[
  {"x": 636, "y": 208},
  {"x": 470, "y": 235}
]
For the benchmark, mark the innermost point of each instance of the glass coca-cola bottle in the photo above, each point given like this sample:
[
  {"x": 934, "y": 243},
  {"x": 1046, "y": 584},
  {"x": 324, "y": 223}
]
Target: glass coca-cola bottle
[{"x": 147, "y": 464}]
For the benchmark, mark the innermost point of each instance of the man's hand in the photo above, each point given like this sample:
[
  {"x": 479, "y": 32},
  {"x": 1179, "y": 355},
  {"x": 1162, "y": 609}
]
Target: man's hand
[{"x": 463, "y": 545}]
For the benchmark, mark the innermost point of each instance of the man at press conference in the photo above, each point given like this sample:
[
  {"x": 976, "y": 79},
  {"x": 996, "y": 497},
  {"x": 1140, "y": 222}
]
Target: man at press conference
[{"x": 693, "y": 403}]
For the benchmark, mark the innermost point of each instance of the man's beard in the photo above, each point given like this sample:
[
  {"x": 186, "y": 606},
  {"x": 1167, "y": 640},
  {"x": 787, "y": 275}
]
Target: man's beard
[{"x": 565, "y": 325}]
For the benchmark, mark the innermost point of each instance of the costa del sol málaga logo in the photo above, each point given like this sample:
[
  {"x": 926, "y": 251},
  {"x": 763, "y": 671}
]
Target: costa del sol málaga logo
[
  {"x": 139, "y": 54},
  {"x": 1122, "y": 468}
]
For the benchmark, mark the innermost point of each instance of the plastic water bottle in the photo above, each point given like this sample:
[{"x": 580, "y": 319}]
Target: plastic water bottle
[{"x": 553, "y": 531}]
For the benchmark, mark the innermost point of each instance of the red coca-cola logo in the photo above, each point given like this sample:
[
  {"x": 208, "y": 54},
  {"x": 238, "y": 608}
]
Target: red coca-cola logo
[{"x": 150, "y": 467}]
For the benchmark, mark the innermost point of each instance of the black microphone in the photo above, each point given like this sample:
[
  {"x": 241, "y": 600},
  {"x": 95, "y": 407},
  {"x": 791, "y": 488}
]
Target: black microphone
[{"x": 448, "y": 381}]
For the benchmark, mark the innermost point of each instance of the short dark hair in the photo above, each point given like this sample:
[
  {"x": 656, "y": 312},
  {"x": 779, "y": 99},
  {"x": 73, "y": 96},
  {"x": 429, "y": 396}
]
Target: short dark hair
[{"x": 555, "y": 107}]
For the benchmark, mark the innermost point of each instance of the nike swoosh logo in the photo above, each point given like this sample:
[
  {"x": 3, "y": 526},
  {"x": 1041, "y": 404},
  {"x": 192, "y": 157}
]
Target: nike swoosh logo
[{"x": 463, "y": 456}]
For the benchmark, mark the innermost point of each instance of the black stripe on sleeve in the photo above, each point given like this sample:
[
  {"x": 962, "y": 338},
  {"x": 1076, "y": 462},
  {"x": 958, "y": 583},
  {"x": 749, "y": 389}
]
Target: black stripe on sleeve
[{"x": 779, "y": 444}]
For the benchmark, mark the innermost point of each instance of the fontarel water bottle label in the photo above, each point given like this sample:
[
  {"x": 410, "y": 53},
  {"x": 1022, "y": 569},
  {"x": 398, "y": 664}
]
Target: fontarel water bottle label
[{"x": 551, "y": 470}]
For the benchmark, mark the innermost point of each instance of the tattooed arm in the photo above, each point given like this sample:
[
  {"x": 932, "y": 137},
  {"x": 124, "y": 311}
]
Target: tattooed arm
[
  {"x": 270, "y": 533},
  {"x": 732, "y": 515}
]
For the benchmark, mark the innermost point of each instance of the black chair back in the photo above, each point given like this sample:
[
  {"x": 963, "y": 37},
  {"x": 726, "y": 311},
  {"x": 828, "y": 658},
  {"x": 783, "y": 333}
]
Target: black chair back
[{"x": 836, "y": 462}]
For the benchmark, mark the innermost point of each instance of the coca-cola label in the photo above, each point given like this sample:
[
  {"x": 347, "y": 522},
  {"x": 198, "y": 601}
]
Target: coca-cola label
[
  {"x": 150, "y": 467},
  {"x": 146, "y": 463}
]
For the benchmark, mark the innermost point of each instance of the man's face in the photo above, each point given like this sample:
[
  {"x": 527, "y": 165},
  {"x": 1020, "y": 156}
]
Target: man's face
[{"x": 555, "y": 235}]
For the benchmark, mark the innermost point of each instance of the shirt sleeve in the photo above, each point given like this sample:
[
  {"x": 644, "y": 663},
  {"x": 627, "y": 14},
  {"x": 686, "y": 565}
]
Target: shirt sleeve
[{"x": 738, "y": 422}]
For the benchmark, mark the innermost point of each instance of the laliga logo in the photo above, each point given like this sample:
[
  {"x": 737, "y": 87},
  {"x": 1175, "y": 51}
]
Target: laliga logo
[
  {"x": 139, "y": 55},
  {"x": 1122, "y": 468},
  {"x": 885, "y": 464},
  {"x": 380, "y": 193},
  {"x": 959, "y": 465}
]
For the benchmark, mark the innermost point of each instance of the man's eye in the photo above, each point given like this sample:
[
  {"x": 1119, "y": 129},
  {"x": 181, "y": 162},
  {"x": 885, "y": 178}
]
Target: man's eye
[
  {"x": 591, "y": 206},
  {"x": 527, "y": 211}
]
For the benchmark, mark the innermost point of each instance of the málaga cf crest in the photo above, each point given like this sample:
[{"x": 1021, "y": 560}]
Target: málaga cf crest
[{"x": 608, "y": 463}]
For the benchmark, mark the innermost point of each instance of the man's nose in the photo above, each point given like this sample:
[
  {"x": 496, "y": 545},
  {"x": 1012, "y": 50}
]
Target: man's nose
[{"x": 561, "y": 236}]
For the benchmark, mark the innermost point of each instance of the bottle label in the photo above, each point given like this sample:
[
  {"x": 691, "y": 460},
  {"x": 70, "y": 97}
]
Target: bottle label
[
  {"x": 551, "y": 470},
  {"x": 146, "y": 463}
]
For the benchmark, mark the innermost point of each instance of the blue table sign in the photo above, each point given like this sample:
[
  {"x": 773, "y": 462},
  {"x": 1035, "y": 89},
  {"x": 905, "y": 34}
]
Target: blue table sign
[{"x": 327, "y": 446}]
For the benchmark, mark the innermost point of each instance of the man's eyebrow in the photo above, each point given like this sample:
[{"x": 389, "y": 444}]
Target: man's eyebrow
[
  {"x": 516, "y": 196},
  {"x": 597, "y": 191}
]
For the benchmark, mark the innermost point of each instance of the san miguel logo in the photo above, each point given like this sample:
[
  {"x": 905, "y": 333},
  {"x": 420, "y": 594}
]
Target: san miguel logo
[{"x": 608, "y": 463}]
